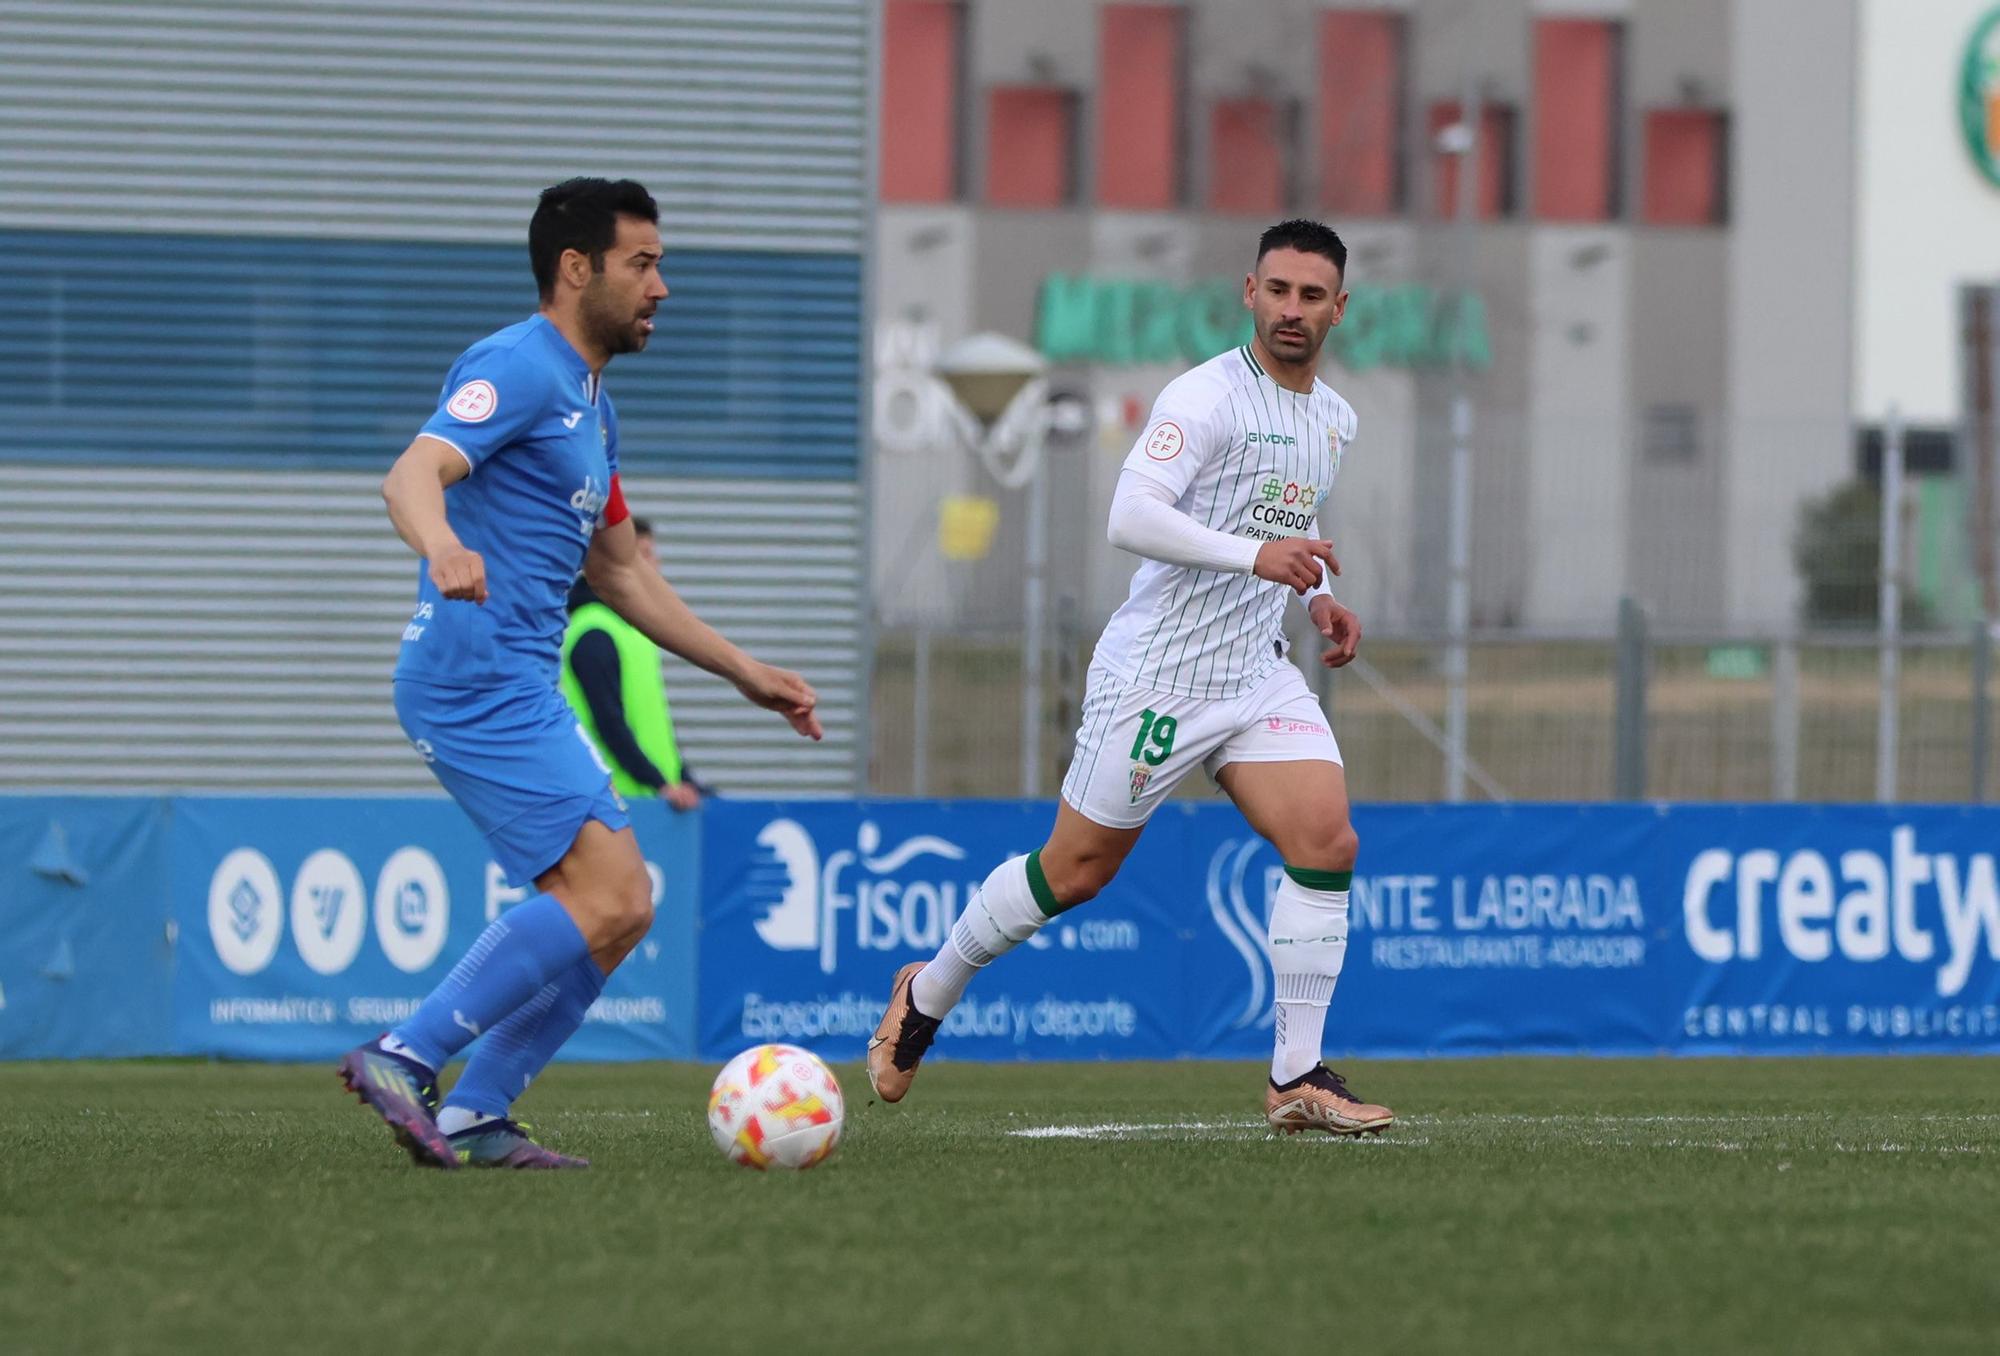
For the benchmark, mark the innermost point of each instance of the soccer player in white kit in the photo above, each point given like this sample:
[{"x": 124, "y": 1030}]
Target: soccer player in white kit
[{"x": 1221, "y": 495}]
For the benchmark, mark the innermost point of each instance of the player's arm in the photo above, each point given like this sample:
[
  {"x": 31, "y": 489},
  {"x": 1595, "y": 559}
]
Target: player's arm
[
  {"x": 1334, "y": 621},
  {"x": 1184, "y": 433},
  {"x": 414, "y": 491},
  {"x": 635, "y": 591},
  {"x": 1146, "y": 521},
  {"x": 594, "y": 662}
]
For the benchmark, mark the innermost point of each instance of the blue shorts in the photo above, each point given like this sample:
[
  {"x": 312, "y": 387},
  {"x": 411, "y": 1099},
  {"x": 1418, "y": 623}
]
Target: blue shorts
[{"x": 518, "y": 763}]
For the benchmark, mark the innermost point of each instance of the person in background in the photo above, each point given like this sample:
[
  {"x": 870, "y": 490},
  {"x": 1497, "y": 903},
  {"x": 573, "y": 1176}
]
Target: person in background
[{"x": 612, "y": 676}]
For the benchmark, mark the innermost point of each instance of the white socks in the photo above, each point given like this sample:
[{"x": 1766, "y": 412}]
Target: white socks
[
  {"x": 1308, "y": 944},
  {"x": 453, "y": 1119},
  {"x": 1008, "y": 910}
]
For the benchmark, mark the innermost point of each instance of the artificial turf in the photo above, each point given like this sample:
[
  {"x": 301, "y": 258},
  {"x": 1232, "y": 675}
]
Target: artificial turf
[{"x": 1542, "y": 1205}]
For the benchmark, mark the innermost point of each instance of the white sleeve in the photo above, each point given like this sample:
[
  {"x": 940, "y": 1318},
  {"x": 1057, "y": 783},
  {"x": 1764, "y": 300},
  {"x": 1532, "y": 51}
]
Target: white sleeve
[
  {"x": 1180, "y": 437},
  {"x": 1145, "y": 521},
  {"x": 1323, "y": 589}
]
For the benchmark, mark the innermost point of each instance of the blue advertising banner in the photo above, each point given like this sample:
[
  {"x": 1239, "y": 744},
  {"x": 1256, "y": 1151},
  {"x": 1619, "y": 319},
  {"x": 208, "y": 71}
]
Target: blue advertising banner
[
  {"x": 86, "y": 930},
  {"x": 292, "y": 929},
  {"x": 1474, "y": 929},
  {"x": 308, "y": 926},
  {"x": 811, "y": 907}
]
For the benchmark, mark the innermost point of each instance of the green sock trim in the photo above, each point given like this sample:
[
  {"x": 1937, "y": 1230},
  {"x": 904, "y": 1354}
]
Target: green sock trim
[
  {"x": 1320, "y": 880},
  {"x": 1045, "y": 898}
]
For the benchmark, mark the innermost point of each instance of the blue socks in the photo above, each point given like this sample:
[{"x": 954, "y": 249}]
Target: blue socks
[
  {"x": 513, "y": 1052},
  {"x": 521, "y": 951}
]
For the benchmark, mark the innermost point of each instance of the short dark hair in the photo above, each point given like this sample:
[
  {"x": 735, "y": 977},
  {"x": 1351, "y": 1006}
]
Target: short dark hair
[
  {"x": 1306, "y": 236},
  {"x": 582, "y": 215},
  {"x": 643, "y": 526}
]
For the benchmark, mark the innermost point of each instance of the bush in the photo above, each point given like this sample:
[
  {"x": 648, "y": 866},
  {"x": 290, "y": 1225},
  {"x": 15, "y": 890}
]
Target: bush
[{"x": 1837, "y": 550}]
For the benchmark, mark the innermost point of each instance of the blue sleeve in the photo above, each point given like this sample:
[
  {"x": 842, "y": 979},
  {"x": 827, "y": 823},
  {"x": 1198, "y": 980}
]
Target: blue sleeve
[
  {"x": 611, "y": 433},
  {"x": 493, "y": 397}
]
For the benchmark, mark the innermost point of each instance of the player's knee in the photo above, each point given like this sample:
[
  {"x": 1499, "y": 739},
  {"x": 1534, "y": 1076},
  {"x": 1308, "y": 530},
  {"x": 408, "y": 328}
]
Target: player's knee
[
  {"x": 1078, "y": 879},
  {"x": 1346, "y": 847},
  {"x": 632, "y": 908},
  {"x": 1329, "y": 846}
]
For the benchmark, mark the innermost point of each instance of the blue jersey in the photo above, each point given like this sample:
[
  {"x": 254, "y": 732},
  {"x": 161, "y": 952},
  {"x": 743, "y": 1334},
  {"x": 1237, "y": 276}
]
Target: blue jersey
[{"x": 540, "y": 435}]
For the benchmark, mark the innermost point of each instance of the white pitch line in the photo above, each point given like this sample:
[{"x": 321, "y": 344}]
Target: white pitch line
[
  {"x": 1124, "y": 1129},
  {"x": 1239, "y": 1130},
  {"x": 1593, "y": 1118},
  {"x": 1580, "y": 1126},
  {"x": 1893, "y": 1148}
]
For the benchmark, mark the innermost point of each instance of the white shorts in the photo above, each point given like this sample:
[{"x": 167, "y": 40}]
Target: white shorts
[{"x": 1134, "y": 746}]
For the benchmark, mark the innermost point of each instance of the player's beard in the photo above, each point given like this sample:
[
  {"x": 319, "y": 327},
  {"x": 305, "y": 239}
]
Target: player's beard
[
  {"x": 1286, "y": 349},
  {"x": 616, "y": 329}
]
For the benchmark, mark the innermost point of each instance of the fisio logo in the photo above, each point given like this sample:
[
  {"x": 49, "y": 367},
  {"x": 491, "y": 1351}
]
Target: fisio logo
[
  {"x": 906, "y": 897},
  {"x": 1860, "y": 905}
]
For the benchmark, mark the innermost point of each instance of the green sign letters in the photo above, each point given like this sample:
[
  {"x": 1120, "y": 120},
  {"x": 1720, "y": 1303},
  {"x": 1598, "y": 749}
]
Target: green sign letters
[{"x": 1120, "y": 323}]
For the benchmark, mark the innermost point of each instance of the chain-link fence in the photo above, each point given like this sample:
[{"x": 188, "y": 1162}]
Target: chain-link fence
[{"x": 1674, "y": 716}]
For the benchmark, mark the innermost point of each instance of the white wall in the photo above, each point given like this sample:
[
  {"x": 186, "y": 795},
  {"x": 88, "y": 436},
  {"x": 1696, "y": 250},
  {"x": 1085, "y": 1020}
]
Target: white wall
[
  {"x": 1925, "y": 219},
  {"x": 1791, "y": 308},
  {"x": 1577, "y": 453}
]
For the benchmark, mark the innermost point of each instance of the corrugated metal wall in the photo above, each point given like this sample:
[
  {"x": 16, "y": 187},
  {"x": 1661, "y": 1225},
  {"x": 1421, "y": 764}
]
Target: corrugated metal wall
[
  {"x": 206, "y": 348},
  {"x": 434, "y": 121},
  {"x": 235, "y": 630},
  {"x": 240, "y": 243}
]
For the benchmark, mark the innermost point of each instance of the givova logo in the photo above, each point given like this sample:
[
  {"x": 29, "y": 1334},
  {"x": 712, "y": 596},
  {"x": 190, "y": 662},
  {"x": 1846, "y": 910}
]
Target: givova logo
[
  {"x": 329, "y": 911},
  {"x": 890, "y": 905},
  {"x": 1240, "y": 903}
]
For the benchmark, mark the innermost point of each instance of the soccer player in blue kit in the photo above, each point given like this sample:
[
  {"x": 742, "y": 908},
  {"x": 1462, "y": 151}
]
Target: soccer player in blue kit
[{"x": 510, "y": 488}]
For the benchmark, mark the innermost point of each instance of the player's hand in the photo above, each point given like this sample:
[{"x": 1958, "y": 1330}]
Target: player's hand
[
  {"x": 680, "y": 795},
  {"x": 785, "y": 692},
  {"x": 459, "y": 573},
  {"x": 1340, "y": 627},
  {"x": 1295, "y": 561}
]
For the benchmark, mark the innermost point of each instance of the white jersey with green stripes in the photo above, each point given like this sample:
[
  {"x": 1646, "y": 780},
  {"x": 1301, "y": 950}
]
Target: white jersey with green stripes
[{"x": 1245, "y": 456}]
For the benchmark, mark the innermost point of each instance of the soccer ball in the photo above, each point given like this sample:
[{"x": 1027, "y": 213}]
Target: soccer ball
[{"x": 776, "y": 1106}]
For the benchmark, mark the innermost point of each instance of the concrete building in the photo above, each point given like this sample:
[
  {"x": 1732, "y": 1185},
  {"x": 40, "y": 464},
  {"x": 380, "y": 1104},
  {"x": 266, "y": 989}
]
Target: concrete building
[{"x": 1715, "y": 240}]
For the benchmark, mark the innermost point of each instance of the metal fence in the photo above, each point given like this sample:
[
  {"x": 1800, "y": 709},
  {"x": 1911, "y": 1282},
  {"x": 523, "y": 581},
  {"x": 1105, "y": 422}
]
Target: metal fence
[{"x": 1628, "y": 715}]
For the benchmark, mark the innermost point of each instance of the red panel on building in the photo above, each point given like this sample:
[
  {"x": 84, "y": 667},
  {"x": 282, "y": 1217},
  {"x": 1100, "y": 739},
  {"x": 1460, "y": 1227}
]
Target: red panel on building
[
  {"x": 1496, "y": 161},
  {"x": 1684, "y": 167},
  {"x": 1246, "y": 161},
  {"x": 920, "y": 100},
  {"x": 1360, "y": 111},
  {"x": 1576, "y": 91},
  {"x": 1139, "y": 105},
  {"x": 1030, "y": 133}
]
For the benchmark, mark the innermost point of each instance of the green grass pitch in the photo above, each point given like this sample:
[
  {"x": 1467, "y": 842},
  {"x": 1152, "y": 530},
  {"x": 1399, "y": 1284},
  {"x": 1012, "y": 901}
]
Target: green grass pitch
[{"x": 1820, "y": 1206}]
